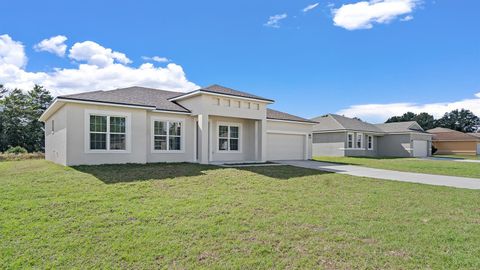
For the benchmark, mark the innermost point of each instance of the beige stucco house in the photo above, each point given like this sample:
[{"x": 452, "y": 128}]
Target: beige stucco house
[
  {"x": 142, "y": 125},
  {"x": 336, "y": 135},
  {"x": 452, "y": 142}
]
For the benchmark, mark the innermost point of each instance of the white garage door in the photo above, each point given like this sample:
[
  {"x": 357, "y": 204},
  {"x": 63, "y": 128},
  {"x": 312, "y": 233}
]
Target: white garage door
[
  {"x": 285, "y": 146},
  {"x": 420, "y": 148},
  {"x": 478, "y": 148}
]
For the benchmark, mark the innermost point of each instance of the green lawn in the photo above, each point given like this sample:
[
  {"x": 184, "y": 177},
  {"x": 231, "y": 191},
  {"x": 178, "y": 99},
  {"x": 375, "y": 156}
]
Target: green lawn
[
  {"x": 192, "y": 216},
  {"x": 441, "y": 167},
  {"x": 459, "y": 156}
]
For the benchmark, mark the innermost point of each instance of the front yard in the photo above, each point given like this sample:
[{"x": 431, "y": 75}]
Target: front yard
[
  {"x": 441, "y": 167},
  {"x": 194, "y": 216}
]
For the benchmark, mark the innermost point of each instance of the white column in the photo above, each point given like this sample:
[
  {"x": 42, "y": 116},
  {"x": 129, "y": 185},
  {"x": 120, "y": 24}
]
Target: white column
[
  {"x": 256, "y": 140},
  {"x": 263, "y": 140},
  {"x": 203, "y": 138}
]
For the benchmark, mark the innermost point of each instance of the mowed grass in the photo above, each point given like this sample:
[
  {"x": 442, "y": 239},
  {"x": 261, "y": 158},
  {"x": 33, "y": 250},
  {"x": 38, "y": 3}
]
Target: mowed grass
[
  {"x": 186, "y": 216},
  {"x": 459, "y": 156},
  {"x": 441, "y": 167}
]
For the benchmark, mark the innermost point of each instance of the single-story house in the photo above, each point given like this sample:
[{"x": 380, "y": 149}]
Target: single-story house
[
  {"x": 452, "y": 142},
  {"x": 337, "y": 135},
  {"x": 141, "y": 125}
]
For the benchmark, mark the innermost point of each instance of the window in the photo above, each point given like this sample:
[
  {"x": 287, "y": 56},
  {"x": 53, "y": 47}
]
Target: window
[
  {"x": 369, "y": 142},
  {"x": 359, "y": 143},
  {"x": 246, "y": 105},
  {"x": 167, "y": 135},
  {"x": 216, "y": 101},
  {"x": 228, "y": 138},
  {"x": 237, "y": 104},
  {"x": 107, "y": 132},
  {"x": 350, "y": 140}
]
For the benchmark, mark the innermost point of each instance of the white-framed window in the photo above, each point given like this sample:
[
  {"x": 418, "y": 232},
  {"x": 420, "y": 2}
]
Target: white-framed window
[
  {"x": 167, "y": 135},
  {"x": 229, "y": 138},
  {"x": 350, "y": 140},
  {"x": 106, "y": 132},
  {"x": 359, "y": 141},
  {"x": 369, "y": 142}
]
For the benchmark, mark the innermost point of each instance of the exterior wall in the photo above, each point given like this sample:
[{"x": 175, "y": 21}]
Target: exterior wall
[
  {"x": 329, "y": 144},
  {"x": 225, "y": 106},
  {"x": 455, "y": 148},
  {"x": 247, "y": 140},
  {"x": 188, "y": 151},
  {"x": 76, "y": 136},
  {"x": 361, "y": 152},
  {"x": 293, "y": 128},
  {"x": 56, "y": 140},
  {"x": 395, "y": 145}
]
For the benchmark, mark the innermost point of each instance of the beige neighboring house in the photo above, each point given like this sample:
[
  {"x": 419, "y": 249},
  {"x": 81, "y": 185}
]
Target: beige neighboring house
[
  {"x": 452, "y": 142},
  {"x": 142, "y": 125},
  {"x": 337, "y": 135}
]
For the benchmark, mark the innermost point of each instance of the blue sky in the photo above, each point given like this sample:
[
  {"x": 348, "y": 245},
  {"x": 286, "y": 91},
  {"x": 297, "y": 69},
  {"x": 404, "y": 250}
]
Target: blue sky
[{"x": 416, "y": 55}]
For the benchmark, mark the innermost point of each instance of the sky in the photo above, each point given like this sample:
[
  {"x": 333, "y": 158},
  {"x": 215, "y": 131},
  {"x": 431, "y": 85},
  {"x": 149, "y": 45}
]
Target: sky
[{"x": 369, "y": 59}]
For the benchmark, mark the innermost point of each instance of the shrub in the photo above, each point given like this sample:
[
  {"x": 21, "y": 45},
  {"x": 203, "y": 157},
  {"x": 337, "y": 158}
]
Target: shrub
[
  {"x": 16, "y": 150},
  {"x": 16, "y": 157}
]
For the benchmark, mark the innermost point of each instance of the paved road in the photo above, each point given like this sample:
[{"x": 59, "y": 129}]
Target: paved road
[{"x": 429, "y": 179}]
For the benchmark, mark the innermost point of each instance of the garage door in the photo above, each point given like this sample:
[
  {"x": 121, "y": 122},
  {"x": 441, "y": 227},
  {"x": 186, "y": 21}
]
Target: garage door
[
  {"x": 478, "y": 148},
  {"x": 420, "y": 148},
  {"x": 285, "y": 146}
]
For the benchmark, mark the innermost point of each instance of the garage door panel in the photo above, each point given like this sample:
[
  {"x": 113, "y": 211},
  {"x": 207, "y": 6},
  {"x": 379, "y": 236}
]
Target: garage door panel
[
  {"x": 420, "y": 148},
  {"x": 285, "y": 146}
]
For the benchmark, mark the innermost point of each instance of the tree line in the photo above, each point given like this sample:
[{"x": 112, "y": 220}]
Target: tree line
[
  {"x": 460, "y": 120},
  {"x": 19, "y": 114}
]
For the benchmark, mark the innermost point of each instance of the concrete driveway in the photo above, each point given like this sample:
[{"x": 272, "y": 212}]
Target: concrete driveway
[{"x": 429, "y": 179}]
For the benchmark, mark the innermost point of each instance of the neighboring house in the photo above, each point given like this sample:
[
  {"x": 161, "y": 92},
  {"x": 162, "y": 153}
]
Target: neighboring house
[
  {"x": 336, "y": 135},
  {"x": 452, "y": 142},
  {"x": 141, "y": 125}
]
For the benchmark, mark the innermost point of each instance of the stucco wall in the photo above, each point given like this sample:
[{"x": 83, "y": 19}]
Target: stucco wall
[
  {"x": 329, "y": 144},
  {"x": 455, "y": 148},
  {"x": 76, "y": 136},
  {"x": 56, "y": 140},
  {"x": 395, "y": 145},
  {"x": 187, "y": 153},
  {"x": 247, "y": 140}
]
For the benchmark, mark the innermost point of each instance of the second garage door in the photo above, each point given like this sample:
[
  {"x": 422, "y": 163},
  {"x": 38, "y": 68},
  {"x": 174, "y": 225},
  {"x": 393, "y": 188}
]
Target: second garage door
[
  {"x": 285, "y": 146},
  {"x": 420, "y": 148}
]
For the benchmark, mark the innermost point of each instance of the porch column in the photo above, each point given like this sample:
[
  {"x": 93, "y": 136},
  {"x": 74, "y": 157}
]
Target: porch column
[
  {"x": 263, "y": 140},
  {"x": 203, "y": 138}
]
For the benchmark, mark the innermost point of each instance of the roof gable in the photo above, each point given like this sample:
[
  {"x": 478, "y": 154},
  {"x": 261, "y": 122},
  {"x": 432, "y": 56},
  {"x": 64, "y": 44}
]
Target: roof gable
[
  {"x": 337, "y": 122},
  {"x": 222, "y": 90},
  {"x": 401, "y": 127}
]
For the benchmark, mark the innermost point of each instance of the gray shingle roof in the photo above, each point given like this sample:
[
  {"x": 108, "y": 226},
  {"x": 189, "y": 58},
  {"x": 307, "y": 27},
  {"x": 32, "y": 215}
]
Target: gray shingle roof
[
  {"x": 398, "y": 127},
  {"x": 137, "y": 96},
  {"x": 277, "y": 115},
  {"x": 218, "y": 89},
  {"x": 337, "y": 122}
]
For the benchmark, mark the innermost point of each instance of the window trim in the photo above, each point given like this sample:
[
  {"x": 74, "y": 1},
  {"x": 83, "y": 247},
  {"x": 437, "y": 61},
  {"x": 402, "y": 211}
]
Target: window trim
[
  {"x": 168, "y": 120},
  {"x": 361, "y": 141},
  {"x": 353, "y": 140},
  {"x": 240, "y": 137},
  {"x": 369, "y": 147},
  {"x": 108, "y": 114}
]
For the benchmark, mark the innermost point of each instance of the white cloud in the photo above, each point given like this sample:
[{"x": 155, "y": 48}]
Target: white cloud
[
  {"x": 381, "y": 112},
  {"x": 362, "y": 15},
  {"x": 274, "y": 21},
  {"x": 55, "y": 45},
  {"x": 407, "y": 18},
  {"x": 310, "y": 7},
  {"x": 89, "y": 76},
  {"x": 158, "y": 59},
  {"x": 95, "y": 54},
  {"x": 12, "y": 52}
]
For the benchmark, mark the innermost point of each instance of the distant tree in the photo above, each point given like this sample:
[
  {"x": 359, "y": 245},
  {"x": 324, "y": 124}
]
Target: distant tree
[
  {"x": 3, "y": 91},
  {"x": 15, "y": 119},
  {"x": 19, "y": 113},
  {"x": 425, "y": 120},
  {"x": 38, "y": 100},
  {"x": 461, "y": 120}
]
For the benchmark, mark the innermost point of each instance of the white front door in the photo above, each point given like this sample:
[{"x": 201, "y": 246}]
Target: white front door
[{"x": 420, "y": 148}]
